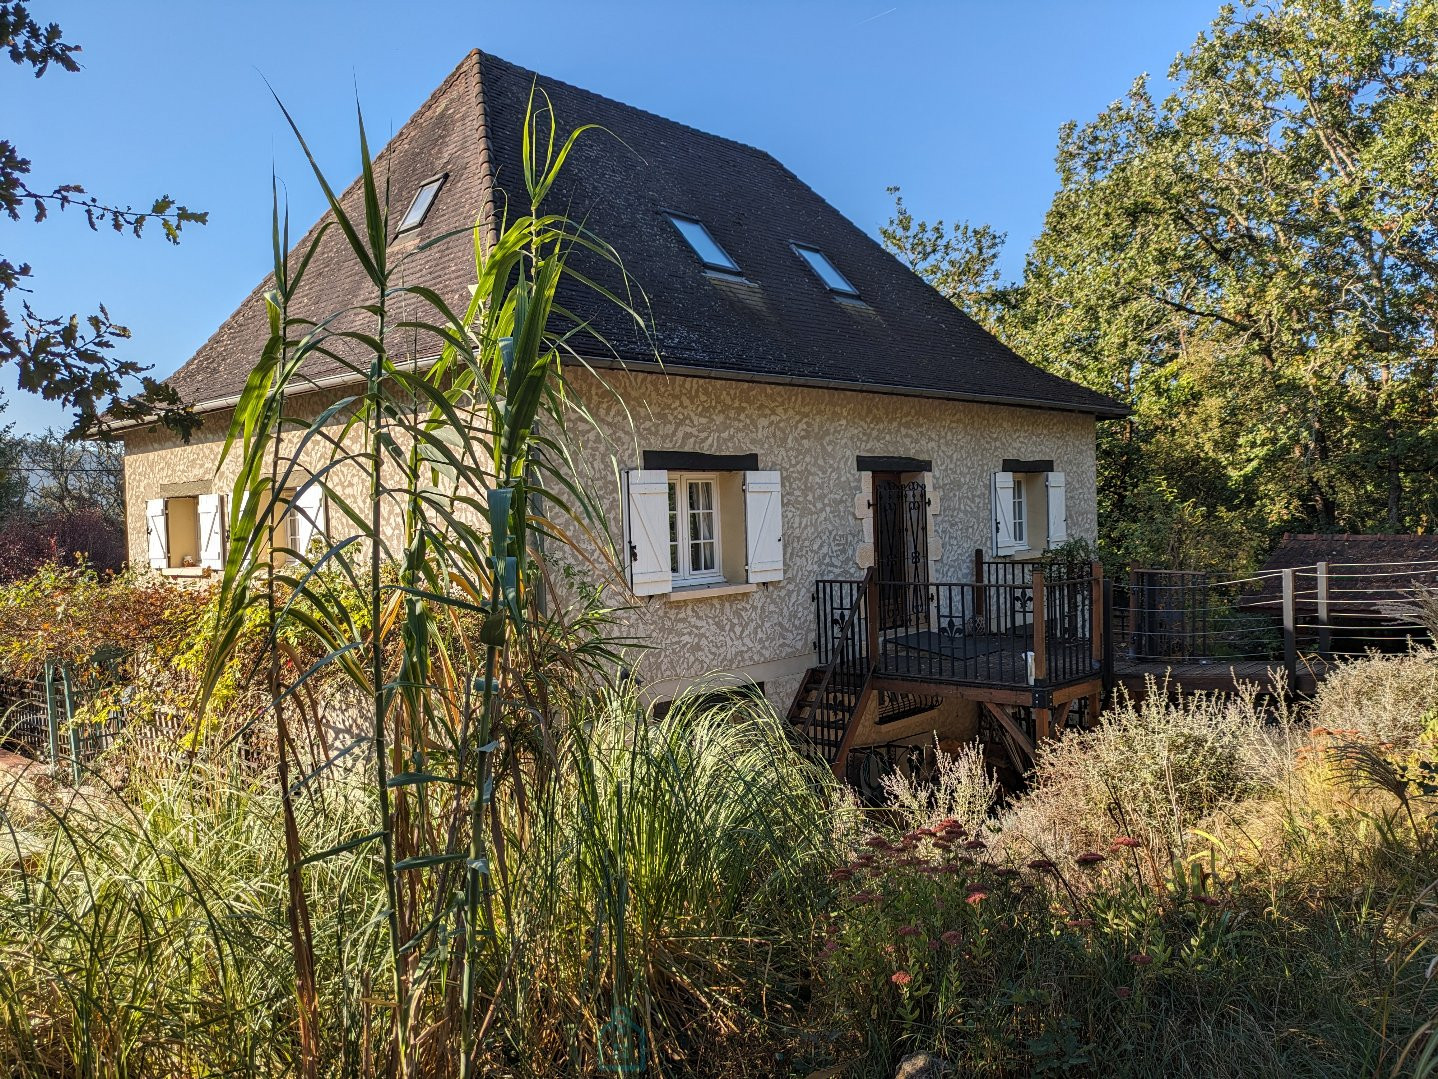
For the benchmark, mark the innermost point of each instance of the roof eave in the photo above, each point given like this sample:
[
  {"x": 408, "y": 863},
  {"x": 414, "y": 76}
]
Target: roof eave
[{"x": 611, "y": 363}]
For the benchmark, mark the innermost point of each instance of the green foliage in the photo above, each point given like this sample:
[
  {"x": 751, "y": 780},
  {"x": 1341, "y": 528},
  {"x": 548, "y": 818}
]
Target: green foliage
[
  {"x": 456, "y": 647},
  {"x": 67, "y": 358},
  {"x": 960, "y": 260},
  {"x": 1248, "y": 264},
  {"x": 675, "y": 868},
  {"x": 1186, "y": 891},
  {"x": 69, "y": 614}
]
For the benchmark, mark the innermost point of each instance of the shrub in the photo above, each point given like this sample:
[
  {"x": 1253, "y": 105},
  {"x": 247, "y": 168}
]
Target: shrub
[
  {"x": 1390, "y": 700},
  {"x": 70, "y": 614},
  {"x": 1152, "y": 770},
  {"x": 959, "y": 786}
]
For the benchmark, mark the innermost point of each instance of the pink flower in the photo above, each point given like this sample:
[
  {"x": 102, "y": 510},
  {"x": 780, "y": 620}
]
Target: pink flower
[
  {"x": 1006, "y": 871},
  {"x": 878, "y": 842},
  {"x": 952, "y": 938},
  {"x": 1080, "y": 923},
  {"x": 1041, "y": 864},
  {"x": 908, "y": 931},
  {"x": 1140, "y": 959},
  {"x": 1206, "y": 900},
  {"x": 1091, "y": 857},
  {"x": 1126, "y": 841},
  {"x": 901, "y": 977},
  {"x": 841, "y": 875},
  {"x": 1124, "y": 992},
  {"x": 976, "y": 844},
  {"x": 976, "y": 897}
]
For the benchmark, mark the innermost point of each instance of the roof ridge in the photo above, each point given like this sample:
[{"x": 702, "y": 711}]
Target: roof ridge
[{"x": 488, "y": 211}]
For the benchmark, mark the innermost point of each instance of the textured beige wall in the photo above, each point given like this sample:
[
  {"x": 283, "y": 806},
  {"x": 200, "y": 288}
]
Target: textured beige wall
[{"x": 811, "y": 437}]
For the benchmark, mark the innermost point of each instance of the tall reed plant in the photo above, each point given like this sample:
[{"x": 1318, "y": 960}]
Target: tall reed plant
[{"x": 465, "y": 469}]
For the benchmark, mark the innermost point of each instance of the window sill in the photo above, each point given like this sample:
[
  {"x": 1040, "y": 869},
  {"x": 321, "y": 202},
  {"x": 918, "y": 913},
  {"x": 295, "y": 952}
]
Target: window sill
[
  {"x": 708, "y": 591},
  {"x": 185, "y": 571}
]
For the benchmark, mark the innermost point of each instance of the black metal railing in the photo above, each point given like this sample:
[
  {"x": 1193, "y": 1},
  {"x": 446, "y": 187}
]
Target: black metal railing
[
  {"x": 1068, "y": 623},
  {"x": 988, "y": 634},
  {"x": 843, "y": 645}
]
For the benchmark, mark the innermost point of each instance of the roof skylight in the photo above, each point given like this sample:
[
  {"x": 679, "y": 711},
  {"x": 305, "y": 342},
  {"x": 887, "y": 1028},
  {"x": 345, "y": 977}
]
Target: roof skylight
[
  {"x": 704, "y": 245},
  {"x": 826, "y": 270},
  {"x": 423, "y": 199}
]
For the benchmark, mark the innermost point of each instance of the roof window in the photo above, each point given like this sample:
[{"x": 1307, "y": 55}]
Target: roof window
[
  {"x": 705, "y": 246},
  {"x": 827, "y": 272},
  {"x": 423, "y": 200}
]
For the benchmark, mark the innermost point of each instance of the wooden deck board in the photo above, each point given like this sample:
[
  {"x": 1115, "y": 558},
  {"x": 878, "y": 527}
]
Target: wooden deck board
[{"x": 1216, "y": 675}]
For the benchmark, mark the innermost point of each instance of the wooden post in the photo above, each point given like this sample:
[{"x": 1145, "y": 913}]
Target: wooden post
[
  {"x": 1097, "y": 626},
  {"x": 1290, "y": 631},
  {"x": 1325, "y": 643},
  {"x": 1108, "y": 642},
  {"x": 1040, "y": 629},
  {"x": 1043, "y": 722},
  {"x": 978, "y": 582}
]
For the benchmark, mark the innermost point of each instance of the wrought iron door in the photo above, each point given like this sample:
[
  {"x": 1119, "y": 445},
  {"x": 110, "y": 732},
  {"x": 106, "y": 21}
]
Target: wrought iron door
[{"x": 901, "y": 551}]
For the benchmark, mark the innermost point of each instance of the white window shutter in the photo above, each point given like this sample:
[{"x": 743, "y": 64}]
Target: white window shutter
[
  {"x": 646, "y": 531},
  {"x": 1058, "y": 510},
  {"x": 308, "y": 516},
  {"x": 157, "y": 529},
  {"x": 1003, "y": 513},
  {"x": 764, "y": 526},
  {"x": 211, "y": 509}
]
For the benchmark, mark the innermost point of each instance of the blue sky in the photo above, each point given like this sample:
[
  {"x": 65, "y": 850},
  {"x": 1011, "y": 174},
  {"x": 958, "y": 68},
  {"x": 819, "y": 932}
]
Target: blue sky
[{"x": 959, "y": 103}]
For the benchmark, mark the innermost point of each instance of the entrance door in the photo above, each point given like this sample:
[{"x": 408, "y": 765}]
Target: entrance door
[{"x": 901, "y": 550}]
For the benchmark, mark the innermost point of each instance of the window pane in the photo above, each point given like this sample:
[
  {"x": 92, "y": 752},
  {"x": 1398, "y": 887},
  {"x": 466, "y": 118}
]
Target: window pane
[
  {"x": 673, "y": 530},
  {"x": 414, "y": 216},
  {"x": 704, "y": 245},
  {"x": 826, "y": 270},
  {"x": 702, "y": 548},
  {"x": 1019, "y": 523}
]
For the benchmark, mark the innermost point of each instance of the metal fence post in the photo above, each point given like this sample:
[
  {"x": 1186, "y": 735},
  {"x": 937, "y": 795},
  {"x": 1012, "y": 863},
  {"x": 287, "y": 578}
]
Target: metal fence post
[
  {"x": 52, "y": 722},
  {"x": 70, "y": 724},
  {"x": 1290, "y": 631}
]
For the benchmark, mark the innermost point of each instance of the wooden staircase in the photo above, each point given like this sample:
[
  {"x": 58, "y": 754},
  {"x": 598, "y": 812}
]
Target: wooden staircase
[{"x": 831, "y": 698}]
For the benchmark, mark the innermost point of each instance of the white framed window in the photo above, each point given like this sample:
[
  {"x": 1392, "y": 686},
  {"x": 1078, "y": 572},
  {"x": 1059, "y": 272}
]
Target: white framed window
[
  {"x": 694, "y": 555},
  {"x": 1020, "y": 517}
]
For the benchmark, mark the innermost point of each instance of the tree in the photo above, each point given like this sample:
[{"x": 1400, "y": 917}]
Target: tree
[
  {"x": 66, "y": 476},
  {"x": 961, "y": 261},
  {"x": 68, "y": 358},
  {"x": 1252, "y": 265}
]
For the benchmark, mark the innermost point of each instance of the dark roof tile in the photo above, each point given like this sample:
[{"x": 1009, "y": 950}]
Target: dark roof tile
[{"x": 780, "y": 323}]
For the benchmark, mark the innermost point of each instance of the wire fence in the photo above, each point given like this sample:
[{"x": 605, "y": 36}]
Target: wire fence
[
  {"x": 1324, "y": 610},
  {"x": 41, "y": 718}
]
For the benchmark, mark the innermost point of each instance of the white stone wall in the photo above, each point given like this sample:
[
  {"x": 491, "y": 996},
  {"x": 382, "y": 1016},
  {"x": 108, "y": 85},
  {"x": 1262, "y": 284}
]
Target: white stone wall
[{"x": 811, "y": 436}]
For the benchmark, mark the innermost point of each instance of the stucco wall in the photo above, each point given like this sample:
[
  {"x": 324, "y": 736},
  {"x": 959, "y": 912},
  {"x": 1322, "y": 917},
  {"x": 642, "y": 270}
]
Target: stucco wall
[{"x": 811, "y": 436}]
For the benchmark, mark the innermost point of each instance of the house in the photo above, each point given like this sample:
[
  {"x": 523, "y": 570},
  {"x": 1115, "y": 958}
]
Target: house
[{"x": 826, "y": 435}]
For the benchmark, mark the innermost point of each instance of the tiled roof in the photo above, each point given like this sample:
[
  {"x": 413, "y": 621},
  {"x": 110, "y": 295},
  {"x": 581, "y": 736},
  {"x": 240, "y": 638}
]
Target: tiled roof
[
  {"x": 778, "y": 323},
  {"x": 1364, "y": 571}
]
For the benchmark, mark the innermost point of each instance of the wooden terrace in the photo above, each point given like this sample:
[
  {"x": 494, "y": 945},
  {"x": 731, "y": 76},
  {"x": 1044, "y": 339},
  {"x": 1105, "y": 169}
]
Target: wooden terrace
[{"x": 1039, "y": 646}]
